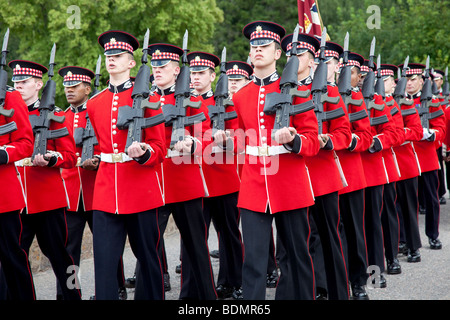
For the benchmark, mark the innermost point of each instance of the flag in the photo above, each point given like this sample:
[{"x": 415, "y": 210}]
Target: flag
[{"x": 309, "y": 17}]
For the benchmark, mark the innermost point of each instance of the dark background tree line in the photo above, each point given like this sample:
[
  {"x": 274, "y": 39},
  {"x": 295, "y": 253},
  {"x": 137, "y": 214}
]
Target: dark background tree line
[{"x": 406, "y": 27}]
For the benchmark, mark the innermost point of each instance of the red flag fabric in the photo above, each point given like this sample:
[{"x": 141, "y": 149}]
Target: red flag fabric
[{"x": 309, "y": 17}]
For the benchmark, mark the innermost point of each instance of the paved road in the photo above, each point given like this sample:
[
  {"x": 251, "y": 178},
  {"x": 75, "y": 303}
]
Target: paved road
[{"x": 426, "y": 280}]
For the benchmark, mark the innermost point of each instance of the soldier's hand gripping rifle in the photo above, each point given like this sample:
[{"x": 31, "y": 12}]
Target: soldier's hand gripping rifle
[
  {"x": 133, "y": 117},
  {"x": 217, "y": 112},
  {"x": 175, "y": 115},
  {"x": 345, "y": 86},
  {"x": 426, "y": 100},
  {"x": 11, "y": 126},
  {"x": 319, "y": 89},
  {"x": 85, "y": 137},
  {"x": 281, "y": 103},
  {"x": 368, "y": 91},
  {"x": 41, "y": 123},
  {"x": 446, "y": 89}
]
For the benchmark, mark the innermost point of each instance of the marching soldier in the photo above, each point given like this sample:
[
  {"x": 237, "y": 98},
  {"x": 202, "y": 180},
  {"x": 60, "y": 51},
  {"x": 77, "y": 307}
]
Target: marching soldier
[
  {"x": 407, "y": 185},
  {"x": 389, "y": 216},
  {"x": 182, "y": 179},
  {"x": 351, "y": 198},
  {"x": 267, "y": 192},
  {"x": 80, "y": 180},
  {"x": 239, "y": 74},
  {"x": 438, "y": 79},
  {"x": 44, "y": 187},
  {"x": 376, "y": 177},
  {"x": 326, "y": 242},
  {"x": 14, "y": 146},
  {"x": 219, "y": 166},
  {"x": 125, "y": 177},
  {"x": 428, "y": 160}
]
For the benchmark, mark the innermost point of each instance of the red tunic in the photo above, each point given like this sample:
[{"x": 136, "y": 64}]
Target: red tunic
[
  {"x": 78, "y": 180},
  {"x": 127, "y": 187},
  {"x": 389, "y": 155},
  {"x": 407, "y": 160},
  {"x": 182, "y": 176},
  {"x": 44, "y": 186},
  {"x": 220, "y": 171},
  {"x": 279, "y": 182},
  {"x": 373, "y": 163},
  {"x": 351, "y": 160},
  {"x": 18, "y": 145},
  {"x": 426, "y": 150},
  {"x": 324, "y": 167}
]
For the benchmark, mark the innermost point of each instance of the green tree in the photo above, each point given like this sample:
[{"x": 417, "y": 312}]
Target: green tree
[{"x": 74, "y": 25}]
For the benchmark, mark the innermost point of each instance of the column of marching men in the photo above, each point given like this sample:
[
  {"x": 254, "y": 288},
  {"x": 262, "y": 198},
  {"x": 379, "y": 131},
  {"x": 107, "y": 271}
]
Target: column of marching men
[{"x": 344, "y": 192}]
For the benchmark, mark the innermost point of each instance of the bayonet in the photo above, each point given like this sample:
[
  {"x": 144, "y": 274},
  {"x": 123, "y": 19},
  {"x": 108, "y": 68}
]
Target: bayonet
[
  {"x": 282, "y": 103},
  {"x": 41, "y": 123},
  {"x": 368, "y": 90},
  {"x": 217, "y": 112},
  {"x": 426, "y": 102},
  {"x": 10, "y": 126},
  {"x": 133, "y": 118},
  {"x": 319, "y": 89}
]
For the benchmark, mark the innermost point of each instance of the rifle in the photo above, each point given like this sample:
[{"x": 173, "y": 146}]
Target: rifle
[
  {"x": 445, "y": 88},
  {"x": 217, "y": 112},
  {"x": 399, "y": 92},
  {"x": 175, "y": 115},
  {"x": 85, "y": 137},
  {"x": 11, "y": 126},
  {"x": 319, "y": 89},
  {"x": 41, "y": 123},
  {"x": 345, "y": 86},
  {"x": 281, "y": 103},
  {"x": 368, "y": 91},
  {"x": 426, "y": 100},
  {"x": 133, "y": 117}
]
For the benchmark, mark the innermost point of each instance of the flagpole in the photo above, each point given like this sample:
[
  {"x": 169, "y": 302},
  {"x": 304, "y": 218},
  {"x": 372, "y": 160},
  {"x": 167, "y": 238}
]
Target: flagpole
[{"x": 320, "y": 17}]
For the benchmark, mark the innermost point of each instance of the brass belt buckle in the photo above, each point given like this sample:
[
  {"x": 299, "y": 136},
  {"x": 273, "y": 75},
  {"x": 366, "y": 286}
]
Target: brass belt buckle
[
  {"x": 27, "y": 162},
  {"x": 117, "y": 157},
  {"x": 263, "y": 151}
]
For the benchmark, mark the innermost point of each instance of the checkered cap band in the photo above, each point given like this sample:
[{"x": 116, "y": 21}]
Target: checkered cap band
[
  {"x": 331, "y": 53},
  {"x": 264, "y": 34},
  {"x": 411, "y": 72},
  {"x": 386, "y": 72},
  {"x": 355, "y": 63},
  {"x": 201, "y": 62},
  {"x": 118, "y": 45},
  {"x": 302, "y": 45},
  {"x": 365, "y": 68},
  {"x": 165, "y": 56},
  {"x": 237, "y": 71},
  {"x": 27, "y": 72},
  {"x": 77, "y": 77}
]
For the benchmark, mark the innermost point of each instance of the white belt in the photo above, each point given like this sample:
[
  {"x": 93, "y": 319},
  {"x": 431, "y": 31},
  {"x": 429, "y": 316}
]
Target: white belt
[
  {"x": 115, "y": 157},
  {"x": 24, "y": 163},
  {"x": 259, "y": 151}
]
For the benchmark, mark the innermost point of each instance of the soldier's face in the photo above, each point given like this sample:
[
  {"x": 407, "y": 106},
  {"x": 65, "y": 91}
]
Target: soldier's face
[
  {"x": 414, "y": 84},
  {"x": 389, "y": 85},
  {"x": 439, "y": 82},
  {"x": 235, "y": 84},
  {"x": 355, "y": 78},
  {"x": 76, "y": 95},
  {"x": 29, "y": 88},
  {"x": 264, "y": 56},
  {"x": 119, "y": 63},
  {"x": 202, "y": 80},
  {"x": 305, "y": 63},
  {"x": 332, "y": 68},
  {"x": 165, "y": 76}
]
